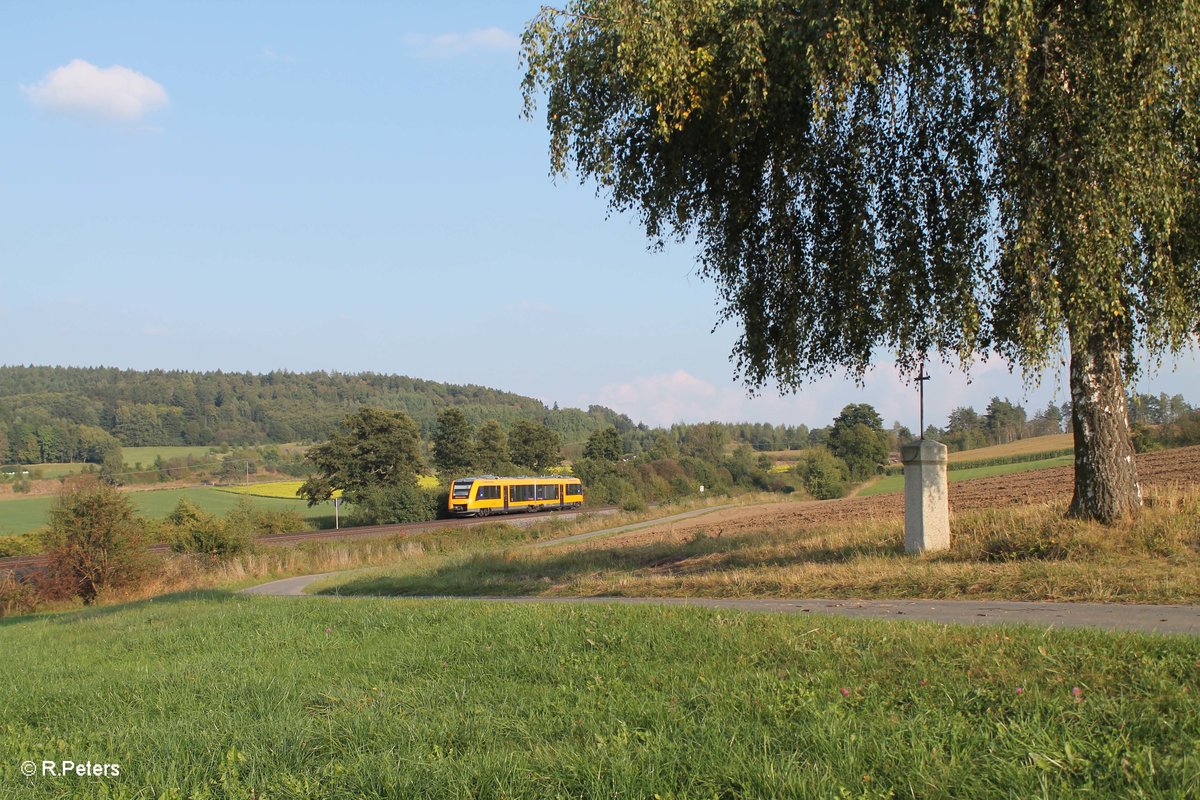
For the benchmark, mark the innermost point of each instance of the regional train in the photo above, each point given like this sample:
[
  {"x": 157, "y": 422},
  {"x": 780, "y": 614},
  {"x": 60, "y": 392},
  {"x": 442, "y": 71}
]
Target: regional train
[{"x": 491, "y": 494}]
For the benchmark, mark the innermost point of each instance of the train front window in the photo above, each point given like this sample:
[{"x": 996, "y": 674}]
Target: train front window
[{"x": 462, "y": 490}]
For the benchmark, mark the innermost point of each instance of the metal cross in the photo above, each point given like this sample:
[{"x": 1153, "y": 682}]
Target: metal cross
[{"x": 922, "y": 376}]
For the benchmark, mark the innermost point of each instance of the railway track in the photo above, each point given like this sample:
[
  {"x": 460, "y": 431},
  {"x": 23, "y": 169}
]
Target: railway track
[{"x": 20, "y": 565}]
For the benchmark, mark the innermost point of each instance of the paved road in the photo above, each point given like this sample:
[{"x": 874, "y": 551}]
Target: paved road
[{"x": 1105, "y": 616}]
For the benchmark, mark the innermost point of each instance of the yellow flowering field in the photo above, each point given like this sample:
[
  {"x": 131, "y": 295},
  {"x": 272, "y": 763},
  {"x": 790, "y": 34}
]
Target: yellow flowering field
[{"x": 288, "y": 490}]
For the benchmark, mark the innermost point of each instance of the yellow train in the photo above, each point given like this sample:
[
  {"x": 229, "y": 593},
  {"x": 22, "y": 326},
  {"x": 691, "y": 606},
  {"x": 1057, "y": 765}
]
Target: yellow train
[{"x": 490, "y": 494}]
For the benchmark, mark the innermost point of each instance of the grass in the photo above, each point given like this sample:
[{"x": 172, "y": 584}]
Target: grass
[
  {"x": 1029, "y": 553},
  {"x": 24, "y": 514},
  {"x": 895, "y": 483},
  {"x": 146, "y": 455},
  {"x": 1021, "y": 447},
  {"x": 220, "y": 696}
]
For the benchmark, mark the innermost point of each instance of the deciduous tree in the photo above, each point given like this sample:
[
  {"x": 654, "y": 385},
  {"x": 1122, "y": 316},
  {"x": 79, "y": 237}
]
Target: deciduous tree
[
  {"x": 453, "y": 443},
  {"x": 491, "y": 447},
  {"x": 603, "y": 445},
  {"x": 371, "y": 448},
  {"x": 533, "y": 445},
  {"x": 936, "y": 179}
]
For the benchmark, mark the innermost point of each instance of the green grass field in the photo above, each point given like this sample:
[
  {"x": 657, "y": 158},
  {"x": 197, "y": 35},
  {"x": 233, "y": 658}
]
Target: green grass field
[
  {"x": 219, "y": 696},
  {"x": 895, "y": 483},
  {"x": 146, "y": 455},
  {"x": 24, "y": 514}
]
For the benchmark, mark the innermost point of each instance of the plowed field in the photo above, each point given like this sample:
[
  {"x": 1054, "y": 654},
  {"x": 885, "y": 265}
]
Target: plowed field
[{"x": 1181, "y": 465}]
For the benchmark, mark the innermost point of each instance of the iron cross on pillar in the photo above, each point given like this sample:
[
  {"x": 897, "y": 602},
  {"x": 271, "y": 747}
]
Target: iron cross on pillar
[{"x": 922, "y": 376}]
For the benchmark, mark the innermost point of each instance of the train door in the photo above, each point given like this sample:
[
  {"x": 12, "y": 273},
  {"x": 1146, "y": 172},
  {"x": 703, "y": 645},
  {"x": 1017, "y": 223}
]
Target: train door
[{"x": 504, "y": 489}]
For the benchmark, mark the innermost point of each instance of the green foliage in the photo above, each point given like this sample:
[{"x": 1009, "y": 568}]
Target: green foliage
[
  {"x": 603, "y": 445},
  {"x": 491, "y": 448},
  {"x": 96, "y": 542},
  {"x": 533, "y": 446},
  {"x": 453, "y": 444},
  {"x": 857, "y": 438},
  {"x": 941, "y": 179},
  {"x": 69, "y": 414},
  {"x": 705, "y": 441},
  {"x": 193, "y": 531},
  {"x": 20, "y": 545},
  {"x": 387, "y": 504},
  {"x": 824, "y": 475},
  {"x": 372, "y": 449}
]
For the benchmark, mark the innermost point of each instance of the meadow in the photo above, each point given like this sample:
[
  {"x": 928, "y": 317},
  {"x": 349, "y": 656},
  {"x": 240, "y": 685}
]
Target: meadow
[
  {"x": 222, "y": 696},
  {"x": 835, "y": 549},
  {"x": 24, "y": 514},
  {"x": 146, "y": 455},
  {"x": 895, "y": 483}
]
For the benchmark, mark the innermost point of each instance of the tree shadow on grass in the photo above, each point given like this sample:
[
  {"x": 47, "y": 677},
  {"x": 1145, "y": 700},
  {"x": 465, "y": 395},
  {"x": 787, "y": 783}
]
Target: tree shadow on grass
[
  {"x": 512, "y": 573},
  {"x": 72, "y": 616}
]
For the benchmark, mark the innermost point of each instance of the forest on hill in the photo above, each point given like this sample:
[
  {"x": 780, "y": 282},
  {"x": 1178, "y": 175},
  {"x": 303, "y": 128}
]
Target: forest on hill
[{"x": 61, "y": 414}]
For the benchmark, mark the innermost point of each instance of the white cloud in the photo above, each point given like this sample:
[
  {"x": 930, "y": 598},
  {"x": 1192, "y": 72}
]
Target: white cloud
[
  {"x": 81, "y": 88},
  {"x": 672, "y": 397},
  {"x": 679, "y": 396},
  {"x": 272, "y": 55},
  {"x": 449, "y": 45}
]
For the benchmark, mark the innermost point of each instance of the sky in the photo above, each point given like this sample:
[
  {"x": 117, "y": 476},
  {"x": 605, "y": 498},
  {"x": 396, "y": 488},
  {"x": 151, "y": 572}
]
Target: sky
[{"x": 351, "y": 186}]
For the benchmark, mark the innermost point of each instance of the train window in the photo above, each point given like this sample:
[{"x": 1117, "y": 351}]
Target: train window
[
  {"x": 575, "y": 488},
  {"x": 547, "y": 492},
  {"x": 488, "y": 493},
  {"x": 521, "y": 493},
  {"x": 462, "y": 489}
]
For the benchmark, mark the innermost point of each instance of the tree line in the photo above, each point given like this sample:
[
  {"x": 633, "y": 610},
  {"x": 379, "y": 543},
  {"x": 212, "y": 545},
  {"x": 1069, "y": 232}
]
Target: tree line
[{"x": 60, "y": 414}]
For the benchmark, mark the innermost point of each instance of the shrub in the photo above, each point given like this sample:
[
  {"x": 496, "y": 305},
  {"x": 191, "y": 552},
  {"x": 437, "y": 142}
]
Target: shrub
[
  {"x": 384, "y": 505},
  {"x": 824, "y": 475},
  {"x": 97, "y": 543},
  {"x": 19, "y": 545},
  {"x": 212, "y": 537},
  {"x": 16, "y": 597}
]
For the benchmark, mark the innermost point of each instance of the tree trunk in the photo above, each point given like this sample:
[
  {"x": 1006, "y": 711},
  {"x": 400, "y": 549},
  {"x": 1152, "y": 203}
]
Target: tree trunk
[{"x": 1106, "y": 484}]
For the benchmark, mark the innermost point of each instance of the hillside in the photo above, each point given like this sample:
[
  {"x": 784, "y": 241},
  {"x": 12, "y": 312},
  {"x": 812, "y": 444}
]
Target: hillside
[{"x": 52, "y": 414}]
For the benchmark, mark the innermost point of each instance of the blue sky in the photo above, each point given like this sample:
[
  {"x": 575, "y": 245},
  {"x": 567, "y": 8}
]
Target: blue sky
[{"x": 350, "y": 186}]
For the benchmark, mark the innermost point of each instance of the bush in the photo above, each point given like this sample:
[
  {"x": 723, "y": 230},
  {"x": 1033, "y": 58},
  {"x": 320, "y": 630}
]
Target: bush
[
  {"x": 385, "y": 505},
  {"x": 824, "y": 475},
  {"x": 217, "y": 538},
  {"x": 97, "y": 543},
  {"x": 16, "y": 597},
  {"x": 26, "y": 545}
]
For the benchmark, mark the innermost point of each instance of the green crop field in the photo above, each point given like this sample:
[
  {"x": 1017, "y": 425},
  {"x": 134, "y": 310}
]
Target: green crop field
[
  {"x": 221, "y": 696},
  {"x": 24, "y": 514},
  {"x": 895, "y": 483}
]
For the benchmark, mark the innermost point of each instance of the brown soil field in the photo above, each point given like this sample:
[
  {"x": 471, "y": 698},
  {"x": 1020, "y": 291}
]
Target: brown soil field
[{"x": 1181, "y": 465}]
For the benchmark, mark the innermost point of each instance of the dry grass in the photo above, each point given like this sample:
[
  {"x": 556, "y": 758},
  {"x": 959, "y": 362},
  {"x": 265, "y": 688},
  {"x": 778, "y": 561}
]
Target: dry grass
[
  {"x": 1029, "y": 553},
  {"x": 176, "y": 573}
]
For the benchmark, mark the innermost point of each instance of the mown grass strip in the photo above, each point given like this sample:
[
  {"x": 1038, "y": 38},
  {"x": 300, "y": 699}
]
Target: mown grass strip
[{"x": 219, "y": 696}]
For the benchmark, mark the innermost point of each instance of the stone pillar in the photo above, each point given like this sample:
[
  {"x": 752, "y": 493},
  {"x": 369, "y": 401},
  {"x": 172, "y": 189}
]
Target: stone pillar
[{"x": 926, "y": 501}]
